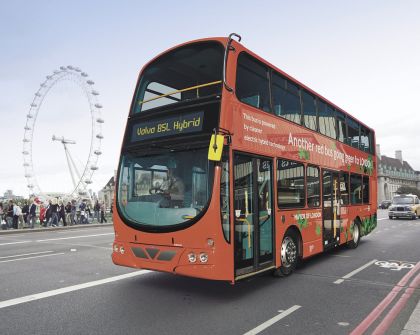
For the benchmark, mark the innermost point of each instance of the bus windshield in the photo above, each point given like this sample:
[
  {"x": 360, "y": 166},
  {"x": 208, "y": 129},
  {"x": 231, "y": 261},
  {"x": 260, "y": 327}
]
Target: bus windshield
[
  {"x": 190, "y": 72},
  {"x": 167, "y": 189}
]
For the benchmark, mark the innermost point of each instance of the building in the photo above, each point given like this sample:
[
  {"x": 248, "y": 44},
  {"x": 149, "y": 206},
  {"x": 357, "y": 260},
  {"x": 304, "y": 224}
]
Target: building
[
  {"x": 393, "y": 173},
  {"x": 106, "y": 195}
]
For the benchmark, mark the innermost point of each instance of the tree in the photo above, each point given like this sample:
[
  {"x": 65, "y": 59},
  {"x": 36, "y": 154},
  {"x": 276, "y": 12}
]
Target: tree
[{"x": 408, "y": 190}]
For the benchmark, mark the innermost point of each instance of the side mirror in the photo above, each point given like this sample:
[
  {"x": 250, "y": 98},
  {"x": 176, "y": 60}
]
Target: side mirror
[{"x": 216, "y": 147}]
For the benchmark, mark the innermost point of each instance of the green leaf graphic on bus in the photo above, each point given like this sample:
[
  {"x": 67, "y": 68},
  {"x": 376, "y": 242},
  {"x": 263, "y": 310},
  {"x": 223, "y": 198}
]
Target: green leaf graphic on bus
[
  {"x": 318, "y": 230},
  {"x": 304, "y": 154},
  {"x": 302, "y": 223}
]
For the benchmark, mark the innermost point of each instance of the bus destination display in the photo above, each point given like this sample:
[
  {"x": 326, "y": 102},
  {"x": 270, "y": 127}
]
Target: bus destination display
[{"x": 181, "y": 124}]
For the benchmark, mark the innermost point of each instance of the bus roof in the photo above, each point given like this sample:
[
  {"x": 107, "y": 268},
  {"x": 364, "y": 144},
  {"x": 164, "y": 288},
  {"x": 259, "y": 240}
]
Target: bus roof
[{"x": 224, "y": 40}]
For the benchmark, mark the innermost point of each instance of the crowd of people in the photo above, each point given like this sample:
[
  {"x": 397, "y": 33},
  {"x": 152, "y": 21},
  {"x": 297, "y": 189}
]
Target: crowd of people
[{"x": 51, "y": 213}]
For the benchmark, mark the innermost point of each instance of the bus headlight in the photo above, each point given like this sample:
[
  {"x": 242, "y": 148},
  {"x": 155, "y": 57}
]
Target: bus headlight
[
  {"x": 192, "y": 257},
  {"x": 204, "y": 257},
  {"x": 122, "y": 250},
  {"x": 115, "y": 248}
]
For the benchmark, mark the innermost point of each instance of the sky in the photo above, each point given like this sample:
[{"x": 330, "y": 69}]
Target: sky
[{"x": 361, "y": 55}]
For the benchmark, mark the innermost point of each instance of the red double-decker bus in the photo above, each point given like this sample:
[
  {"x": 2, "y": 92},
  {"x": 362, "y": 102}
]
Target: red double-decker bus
[{"x": 230, "y": 167}]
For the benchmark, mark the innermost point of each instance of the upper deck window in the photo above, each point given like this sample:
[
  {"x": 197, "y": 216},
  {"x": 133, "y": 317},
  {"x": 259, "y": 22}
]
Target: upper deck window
[
  {"x": 326, "y": 119},
  {"x": 309, "y": 110},
  {"x": 353, "y": 137},
  {"x": 286, "y": 100},
  {"x": 252, "y": 85},
  {"x": 186, "y": 73}
]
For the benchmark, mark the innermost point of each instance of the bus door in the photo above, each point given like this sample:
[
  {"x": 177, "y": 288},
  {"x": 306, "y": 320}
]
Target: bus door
[
  {"x": 253, "y": 213},
  {"x": 331, "y": 208}
]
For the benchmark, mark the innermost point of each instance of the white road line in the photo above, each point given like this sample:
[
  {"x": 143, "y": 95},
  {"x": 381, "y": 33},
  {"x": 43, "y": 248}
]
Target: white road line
[
  {"x": 42, "y": 295},
  {"x": 32, "y": 253},
  {"x": 381, "y": 219},
  {"x": 351, "y": 274},
  {"x": 72, "y": 237},
  {"x": 21, "y": 259},
  {"x": 8, "y": 243},
  {"x": 273, "y": 320}
]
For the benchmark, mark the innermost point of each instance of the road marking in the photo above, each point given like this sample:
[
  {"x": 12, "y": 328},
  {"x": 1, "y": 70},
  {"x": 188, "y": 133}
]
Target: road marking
[
  {"x": 32, "y": 253},
  {"x": 400, "y": 304},
  {"x": 351, "y": 274},
  {"x": 72, "y": 237},
  {"x": 273, "y": 320},
  {"x": 381, "y": 219},
  {"x": 377, "y": 311},
  {"x": 21, "y": 259},
  {"x": 8, "y": 243},
  {"x": 47, "y": 294}
]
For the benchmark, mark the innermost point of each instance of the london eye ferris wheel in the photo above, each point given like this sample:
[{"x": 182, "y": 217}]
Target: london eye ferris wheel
[{"x": 81, "y": 174}]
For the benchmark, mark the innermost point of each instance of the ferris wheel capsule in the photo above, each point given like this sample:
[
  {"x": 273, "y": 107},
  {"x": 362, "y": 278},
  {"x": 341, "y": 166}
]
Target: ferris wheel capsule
[{"x": 90, "y": 82}]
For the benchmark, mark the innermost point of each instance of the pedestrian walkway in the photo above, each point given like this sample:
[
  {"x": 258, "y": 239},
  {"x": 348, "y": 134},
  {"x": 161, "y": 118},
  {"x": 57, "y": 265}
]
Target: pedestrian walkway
[
  {"x": 40, "y": 229},
  {"x": 412, "y": 327}
]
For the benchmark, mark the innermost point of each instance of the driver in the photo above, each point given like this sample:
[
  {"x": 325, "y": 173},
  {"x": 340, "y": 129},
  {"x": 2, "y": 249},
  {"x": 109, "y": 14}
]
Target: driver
[{"x": 173, "y": 185}]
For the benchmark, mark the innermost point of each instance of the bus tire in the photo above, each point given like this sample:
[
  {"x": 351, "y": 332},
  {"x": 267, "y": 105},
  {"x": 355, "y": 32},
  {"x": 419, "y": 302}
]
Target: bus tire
[
  {"x": 354, "y": 242},
  {"x": 289, "y": 254}
]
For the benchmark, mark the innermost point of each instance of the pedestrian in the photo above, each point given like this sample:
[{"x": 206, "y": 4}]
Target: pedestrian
[
  {"x": 54, "y": 213},
  {"x": 9, "y": 215},
  {"x": 73, "y": 212},
  {"x": 48, "y": 214},
  {"x": 32, "y": 215},
  {"x": 96, "y": 210},
  {"x": 17, "y": 217},
  {"x": 2, "y": 221},
  {"x": 67, "y": 210},
  {"x": 62, "y": 214},
  {"x": 103, "y": 219},
  {"x": 25, "y": 212},
  {"x": 42, "y": 212},
  {"x": 82, "y": 208}
]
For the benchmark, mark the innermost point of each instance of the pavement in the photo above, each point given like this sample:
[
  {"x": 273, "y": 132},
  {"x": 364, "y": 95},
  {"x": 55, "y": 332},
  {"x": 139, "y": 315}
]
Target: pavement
[
  {"x": 412, "y": 327},
  {"x": 43, "y": 229}
]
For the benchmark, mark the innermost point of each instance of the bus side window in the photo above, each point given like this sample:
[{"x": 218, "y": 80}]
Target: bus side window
[
  {"x": 366, "y": 199},
  {"x": 344, "y": 188},
  {"x": 313, "y": 186},
  {"x": 356, "y": 189}
]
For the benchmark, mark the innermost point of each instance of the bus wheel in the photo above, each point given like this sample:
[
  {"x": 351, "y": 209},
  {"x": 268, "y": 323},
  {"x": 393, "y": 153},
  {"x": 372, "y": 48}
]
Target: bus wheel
[
  {"x": 289, "y": 255},
  {"x": 354, "y": 242}
]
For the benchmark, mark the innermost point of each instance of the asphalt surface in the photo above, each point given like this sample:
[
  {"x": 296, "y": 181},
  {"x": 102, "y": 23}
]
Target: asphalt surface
[{"x": 51, "y": 284}]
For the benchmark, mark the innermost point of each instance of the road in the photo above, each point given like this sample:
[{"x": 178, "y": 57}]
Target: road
[{"x": 63, "y": 282}]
